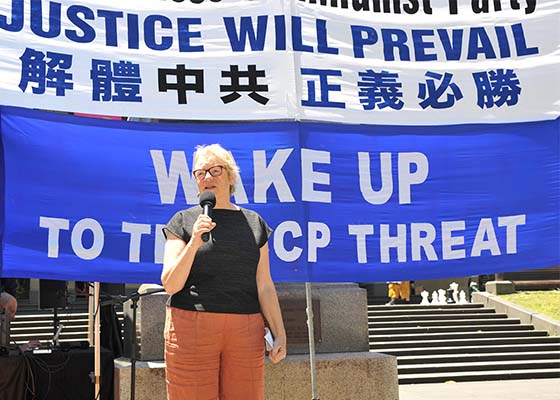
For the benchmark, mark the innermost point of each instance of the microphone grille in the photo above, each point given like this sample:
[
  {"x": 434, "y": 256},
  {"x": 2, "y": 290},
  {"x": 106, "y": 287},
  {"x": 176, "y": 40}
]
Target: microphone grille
[{"x": 207, "y": 198}]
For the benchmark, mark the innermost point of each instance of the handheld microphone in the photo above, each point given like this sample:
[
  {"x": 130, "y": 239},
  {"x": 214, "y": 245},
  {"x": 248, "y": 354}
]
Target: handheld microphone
[{"x": 207, "y": 202}]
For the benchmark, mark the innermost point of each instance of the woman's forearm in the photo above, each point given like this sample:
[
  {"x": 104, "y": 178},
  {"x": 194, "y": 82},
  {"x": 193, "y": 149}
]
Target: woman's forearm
[
  {"x": 177, "y": 267},
  {"x": 179, "y": 256},
  {"x": 270, "y": 306}
]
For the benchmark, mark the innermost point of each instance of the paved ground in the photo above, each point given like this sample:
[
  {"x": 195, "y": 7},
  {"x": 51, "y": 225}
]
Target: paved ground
[{"x": 522, "y": 389}]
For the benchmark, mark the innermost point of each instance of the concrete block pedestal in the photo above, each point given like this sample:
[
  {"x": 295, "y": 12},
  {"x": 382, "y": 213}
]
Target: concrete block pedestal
[
  {"x": 342, "y": 313},
  {"x": 340, "y": 376},
  {"x": 500, "y": 287},
  {"x": 346, "y": 370}
]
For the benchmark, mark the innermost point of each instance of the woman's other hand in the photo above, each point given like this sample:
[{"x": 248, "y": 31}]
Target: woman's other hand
[{"x": 278, "y": 352}]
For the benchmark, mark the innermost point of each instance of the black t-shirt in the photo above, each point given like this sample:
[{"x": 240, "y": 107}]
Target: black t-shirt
[{"x": 223, "y": 275}]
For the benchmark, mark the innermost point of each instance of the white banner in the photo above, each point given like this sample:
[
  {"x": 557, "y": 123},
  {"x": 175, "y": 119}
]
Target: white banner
[{"x": 360, "y": 61}]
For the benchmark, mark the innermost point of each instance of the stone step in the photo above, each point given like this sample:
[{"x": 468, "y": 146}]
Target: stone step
[
  {"x": 49, "y": 316},
  {"x": 38, "y": 316},
  {"x": 47, "y": 322},
  {"x": 396, "y": 307},
  {"x": 426, "y": 337},
  {"x": 30, "y": 331},
  {"x": 542, "y": 274},
  {"x": 478, "y": 366},
  {"x": 48, "y": 336},
  {"x": 430, "y": 317},
  {"x": 38, "y": 325},
  {"x": 537, "y": 285},
  {"x": 429, "y": 311},
  {"x": 24, "y": 320},
  {"x": 450, "y": 328},
  {"x": 480, "y": 376},
  {"x": 455, "y": 342},
  {"x": 382, "y": 346},
  {"x": 477, "y": 349},
  {"x": 73, "y": 306},
  {"x": 465, "y": 357},
  {"x": 449, "y": 322}
]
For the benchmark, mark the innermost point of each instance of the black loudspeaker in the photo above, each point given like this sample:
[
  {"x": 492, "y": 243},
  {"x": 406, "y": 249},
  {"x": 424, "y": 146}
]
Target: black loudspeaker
[
  {"x": 75, "y": 344},
  {"x": 112, "y": 289},
  {"x": 52, "y": 294}
]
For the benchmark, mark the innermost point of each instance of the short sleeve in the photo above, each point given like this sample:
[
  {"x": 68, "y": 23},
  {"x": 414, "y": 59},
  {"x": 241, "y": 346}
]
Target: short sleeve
[
  {"x": 265, "y": 232},
  {"x": 176, "y": 226}
]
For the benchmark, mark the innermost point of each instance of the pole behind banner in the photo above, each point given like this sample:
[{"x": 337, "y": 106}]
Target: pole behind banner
[
  {"x": 97, "y": 342},
  {"x": 311, "y": 332}
]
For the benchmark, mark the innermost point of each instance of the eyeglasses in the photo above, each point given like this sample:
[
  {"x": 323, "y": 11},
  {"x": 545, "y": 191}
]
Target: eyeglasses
[{"x": 214, "y": 171}]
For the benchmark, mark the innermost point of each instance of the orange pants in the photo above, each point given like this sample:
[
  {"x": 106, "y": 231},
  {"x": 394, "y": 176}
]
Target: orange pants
[
  {"x": 211, "y": 356},
  {"x": 401, "y": 290}
]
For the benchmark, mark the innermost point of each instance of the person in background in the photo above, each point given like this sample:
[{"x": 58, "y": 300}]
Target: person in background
[
  {"x": 399, "y": 290},
  {"x": 8, "y": 288},
  {"x": 220, "y": 289}
]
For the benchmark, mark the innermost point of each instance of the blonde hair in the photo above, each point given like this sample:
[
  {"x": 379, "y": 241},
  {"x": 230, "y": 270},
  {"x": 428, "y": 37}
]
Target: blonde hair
[{"x": 204, "y": 152}]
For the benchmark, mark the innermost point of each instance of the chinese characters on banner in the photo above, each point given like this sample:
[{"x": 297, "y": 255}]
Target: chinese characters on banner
[{"x": 364, "y": 62}]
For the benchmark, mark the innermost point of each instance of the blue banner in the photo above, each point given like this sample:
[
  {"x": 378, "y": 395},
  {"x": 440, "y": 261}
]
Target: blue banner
[{"x": 85, "y": 199}]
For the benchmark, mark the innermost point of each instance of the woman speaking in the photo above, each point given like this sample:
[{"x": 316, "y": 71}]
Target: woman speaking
[{"x": 216, "y": 269}]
